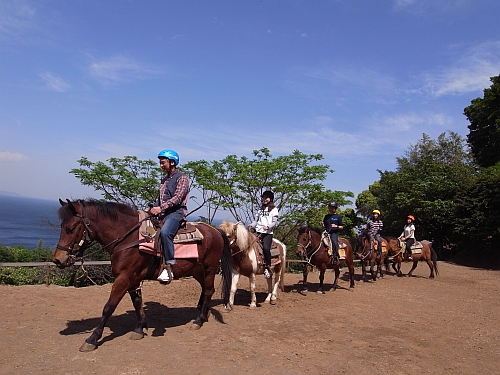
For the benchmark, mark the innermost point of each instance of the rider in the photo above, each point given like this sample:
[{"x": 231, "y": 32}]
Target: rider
[
  {"x": 333, "y": 224},
  {"x": 171, "y": 206},
  {"x": 374, "y": 227},
  {"x": 264, "y": 223},
  {"x": 408, "y": 235}
]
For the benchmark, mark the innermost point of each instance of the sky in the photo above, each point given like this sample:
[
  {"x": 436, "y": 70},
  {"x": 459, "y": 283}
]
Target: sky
[{"x": 357, "y": 81}]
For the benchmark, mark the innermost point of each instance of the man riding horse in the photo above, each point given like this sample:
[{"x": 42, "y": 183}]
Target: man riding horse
[{"x": 171, "y": 206}]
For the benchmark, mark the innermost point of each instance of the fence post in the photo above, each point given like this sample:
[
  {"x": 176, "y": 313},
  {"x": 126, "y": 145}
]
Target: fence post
[{"x": 47, "y": 274}]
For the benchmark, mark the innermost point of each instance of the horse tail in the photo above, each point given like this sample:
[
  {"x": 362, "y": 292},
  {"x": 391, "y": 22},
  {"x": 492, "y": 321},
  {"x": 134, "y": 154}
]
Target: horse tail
[
  {"x": 283, "y": 269},
  {"x": 226, "y": 268},
  {"x": 434, "y": 258}
]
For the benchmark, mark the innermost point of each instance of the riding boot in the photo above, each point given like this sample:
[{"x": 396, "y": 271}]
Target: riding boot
[{"x": 379, "y": 253}]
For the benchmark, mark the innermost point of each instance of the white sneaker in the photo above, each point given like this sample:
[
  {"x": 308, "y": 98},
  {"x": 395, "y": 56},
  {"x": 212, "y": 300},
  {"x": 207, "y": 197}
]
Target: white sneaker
[
  {"x": 164, "y": 277},
  {"x": 267, "y": 274}
]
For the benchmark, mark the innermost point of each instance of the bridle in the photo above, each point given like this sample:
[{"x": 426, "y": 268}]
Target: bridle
[
  {"x": 307, "y": 257},
  {"x": 81, "y": 239}
]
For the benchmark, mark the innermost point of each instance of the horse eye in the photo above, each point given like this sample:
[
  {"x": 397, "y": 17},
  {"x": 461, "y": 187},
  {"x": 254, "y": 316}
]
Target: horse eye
[{"x": 70, "y": 230}]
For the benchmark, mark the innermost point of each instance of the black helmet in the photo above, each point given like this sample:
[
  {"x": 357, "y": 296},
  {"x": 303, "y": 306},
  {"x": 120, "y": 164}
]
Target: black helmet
[
  {"x": 332, "y": 204},
  {"x": 268, "y": 194}
]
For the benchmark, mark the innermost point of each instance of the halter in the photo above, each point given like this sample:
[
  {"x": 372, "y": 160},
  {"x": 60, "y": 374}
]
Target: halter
[
  {"x": 306, "y": 256},
  {"x": 83, "y": 241}
]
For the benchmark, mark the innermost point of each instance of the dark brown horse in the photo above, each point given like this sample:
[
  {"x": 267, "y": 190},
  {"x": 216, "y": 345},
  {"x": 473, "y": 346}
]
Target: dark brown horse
[
  {"x": 368, "y": 255},
  {"x": 396, "y": 250},
  {"x": 115, "y": 227},
  {"x": 312, "y": 248}
]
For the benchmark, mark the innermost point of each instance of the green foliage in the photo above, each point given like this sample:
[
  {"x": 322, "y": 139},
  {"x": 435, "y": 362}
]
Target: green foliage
[
  {"x": 366, "y": 201},
  {"x": 484, "y": 117},
  {"x": 235, "y": 184},
  {"x": 14, "y": 254},
  {"x": 426, "y": 184},
  {"x": 128, "y": 180}
]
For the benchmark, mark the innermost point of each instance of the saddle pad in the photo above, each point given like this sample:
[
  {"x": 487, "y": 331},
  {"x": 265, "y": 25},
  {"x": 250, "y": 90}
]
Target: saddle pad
[
  {"x": 185, "y": 250},
  {"x": 342, "y": 252},
  {"x": 416, "y": 245}
]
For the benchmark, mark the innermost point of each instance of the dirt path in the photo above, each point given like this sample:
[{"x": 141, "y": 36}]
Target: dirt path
[{"x": 450, "y": 325}]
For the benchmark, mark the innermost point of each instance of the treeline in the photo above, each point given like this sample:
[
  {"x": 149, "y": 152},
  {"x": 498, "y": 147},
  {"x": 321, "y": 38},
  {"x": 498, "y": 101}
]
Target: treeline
[{"x": 452, "y": 187}]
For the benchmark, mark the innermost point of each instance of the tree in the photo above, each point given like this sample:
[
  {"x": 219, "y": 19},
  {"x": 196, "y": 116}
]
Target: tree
[
  {"x": 426, "y": 184},
  {"x": 235, "y": 184},
  {"x": 484, "y": 117},
  {"x": 366, "y": 201},
  {"x": 128, "y": 180}
]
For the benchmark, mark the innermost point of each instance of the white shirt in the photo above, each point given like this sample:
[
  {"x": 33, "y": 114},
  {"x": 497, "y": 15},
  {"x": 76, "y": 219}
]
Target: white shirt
[
  {"x": 265, "y": 218},
  {"x": 408, "y": 229}
]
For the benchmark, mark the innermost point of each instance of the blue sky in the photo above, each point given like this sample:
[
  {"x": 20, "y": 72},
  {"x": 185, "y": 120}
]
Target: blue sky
[{"x": 357, "y": 81}]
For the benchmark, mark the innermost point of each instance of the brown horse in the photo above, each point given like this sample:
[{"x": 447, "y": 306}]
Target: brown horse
[
  {"x": 115, "y": 227},
  {"x": 368, "y": 255},
  {"x": 427, "y": 253},
  {"x": 312, "y": 248},
  {"x": 245, "y": 249}
]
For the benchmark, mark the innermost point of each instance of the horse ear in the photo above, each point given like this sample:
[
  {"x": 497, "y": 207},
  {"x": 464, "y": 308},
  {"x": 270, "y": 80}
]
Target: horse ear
[
  {"x": 62, "y": 202},
  {"x": 73, "y": 206}
]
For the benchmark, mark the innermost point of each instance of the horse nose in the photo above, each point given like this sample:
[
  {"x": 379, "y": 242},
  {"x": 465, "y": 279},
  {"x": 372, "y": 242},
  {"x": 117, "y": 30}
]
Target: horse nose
[{"x": 57, "y": 262}]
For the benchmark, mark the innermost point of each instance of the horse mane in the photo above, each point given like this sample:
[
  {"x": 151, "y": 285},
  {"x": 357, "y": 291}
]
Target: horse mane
[
  {"x": 102, "y": 208},
  {"x": 303, "y": 228},
  {"x": 244, "y": 239}
]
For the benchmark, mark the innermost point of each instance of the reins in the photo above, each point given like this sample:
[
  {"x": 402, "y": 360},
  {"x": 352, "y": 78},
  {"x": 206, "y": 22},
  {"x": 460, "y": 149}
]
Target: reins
[{"x": 308, "y": 257}]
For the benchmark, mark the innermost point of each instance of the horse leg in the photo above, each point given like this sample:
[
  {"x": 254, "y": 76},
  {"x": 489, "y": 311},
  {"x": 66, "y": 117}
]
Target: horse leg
[
  {"x": 270, "y": 289},
  {"x": 277, "y": 283},
  {"x": 363, "y": 270},
  {"x": 336, "y": 280},
  {"x": 350, "y": 266},
  {"x": 142, "y": 324},
  {"x": 321, "y": 278},
  {"x": 304, "y": 279},
  {"x": 253, "y": 297},
  {"x": 415, "y": 263},
  {"x": 234, "y": 286},
  {"x": 206, "y": 280},
  {"x": 372, "y": 270},
  {"x": 431, "y": 266},
  {"x": 118, "y": 290}
]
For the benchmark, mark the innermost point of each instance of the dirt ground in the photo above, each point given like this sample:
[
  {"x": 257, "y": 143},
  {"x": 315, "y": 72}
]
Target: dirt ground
[{"x": 449, "y": 325}]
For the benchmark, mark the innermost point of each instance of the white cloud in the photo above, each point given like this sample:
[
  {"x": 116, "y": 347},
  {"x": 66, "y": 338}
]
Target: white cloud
[
  {"x": 54, "y": 83},
  {"x": 423, "y": 6},
  {"x": 118, "y": 69},
  {"x": 16, "y": 17},
  {"x": 12, "y": 156},
  {"x": 411, "y": 121},
  {"x": 470, "y": 73}
]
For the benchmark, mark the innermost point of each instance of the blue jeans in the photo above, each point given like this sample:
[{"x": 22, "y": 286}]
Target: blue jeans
[
  {"x": 168, "y": 231},
  {"x": 334, "y": 237}
]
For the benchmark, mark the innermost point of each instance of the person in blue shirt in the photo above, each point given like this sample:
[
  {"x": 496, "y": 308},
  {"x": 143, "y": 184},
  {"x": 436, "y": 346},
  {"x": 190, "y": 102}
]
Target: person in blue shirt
[{"x": 333, "y": 225}]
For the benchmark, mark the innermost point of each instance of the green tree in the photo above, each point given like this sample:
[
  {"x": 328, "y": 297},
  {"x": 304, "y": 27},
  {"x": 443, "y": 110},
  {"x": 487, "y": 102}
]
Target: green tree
[
  {"x": 128, "y": 180},
  {"x": 366, "y": 201},
  {"x": 235, "y": 184},
  {"x": 484, "y": 117},
  {"x": 426, "y": 183}
]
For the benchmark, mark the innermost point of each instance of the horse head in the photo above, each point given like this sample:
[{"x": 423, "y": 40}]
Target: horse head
[
  {"x": 240, "y": 239},
  {"x": 75, "y": 233},
  {"x": 304, "y": 240},
  {"x": 363, "y": 242}
]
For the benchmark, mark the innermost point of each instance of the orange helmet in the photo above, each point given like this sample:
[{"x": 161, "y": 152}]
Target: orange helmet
[{"x": 411, "y": 217}]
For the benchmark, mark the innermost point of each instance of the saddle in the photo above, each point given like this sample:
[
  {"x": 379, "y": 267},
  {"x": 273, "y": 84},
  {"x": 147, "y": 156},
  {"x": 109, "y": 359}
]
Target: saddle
[
  {"x": 185, "y": 241},
  {"x": 375, "y": 245},
  {"x": 416, "y": 248},
  {"x": 328, "y": 243},
  {"x": 275, "y": 253}
]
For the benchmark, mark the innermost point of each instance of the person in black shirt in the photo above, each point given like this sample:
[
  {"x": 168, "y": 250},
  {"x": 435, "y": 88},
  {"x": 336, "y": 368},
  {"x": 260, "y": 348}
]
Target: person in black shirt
[{"x": 333, "y": 224}]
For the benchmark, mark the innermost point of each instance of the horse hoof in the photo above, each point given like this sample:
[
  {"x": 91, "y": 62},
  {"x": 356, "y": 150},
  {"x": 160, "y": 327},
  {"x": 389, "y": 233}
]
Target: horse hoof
[
  {"x": 303, "y": 292},
  {"x": 86, "y": 347},
  {"x": 195, "y": 327},
  {"x": 272, "y": 302},
  {"x": 253, "y": 306},
  {"x": 320, "y": 291},
  {"x": 136, "y": 336}
]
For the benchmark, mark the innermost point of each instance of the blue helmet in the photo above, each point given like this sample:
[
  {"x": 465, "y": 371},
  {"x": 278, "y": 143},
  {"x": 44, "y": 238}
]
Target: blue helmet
[{"x": 170, "y": 155}]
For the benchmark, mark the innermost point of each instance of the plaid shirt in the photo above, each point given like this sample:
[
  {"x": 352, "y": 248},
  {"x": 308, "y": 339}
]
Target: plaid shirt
[{"x": 180, "y": 197}]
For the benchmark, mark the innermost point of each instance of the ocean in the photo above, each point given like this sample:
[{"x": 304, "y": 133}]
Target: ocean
[{"x": 25, "y": 221}]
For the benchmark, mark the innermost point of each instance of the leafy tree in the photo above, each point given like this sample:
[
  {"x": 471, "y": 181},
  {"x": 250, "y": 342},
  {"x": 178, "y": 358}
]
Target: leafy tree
[
  {"x": 484, "y": 117},
  {"x": 426, "y": 183},
  {"x": 128, "y": 180},
  {"x": 366, "y": 201},
  {"x": 235, "y": 184}
]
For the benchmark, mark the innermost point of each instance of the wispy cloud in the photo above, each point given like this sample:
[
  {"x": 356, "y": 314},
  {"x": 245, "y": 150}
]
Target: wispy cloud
[
  {"x": 54, "y": 83},
  {"x": 470, "y": 73},
  {"x": 16, "y": 18},
  {"x": 413, "y": 121},
  {"x": 119, "y": 69},
  {"x": 12, "y": 156},
  {"x": 423, "y": 6}
]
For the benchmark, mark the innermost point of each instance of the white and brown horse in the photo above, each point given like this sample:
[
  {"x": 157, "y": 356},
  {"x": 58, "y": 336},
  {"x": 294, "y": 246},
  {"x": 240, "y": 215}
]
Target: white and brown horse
[{"x": 247, "y": 261}]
